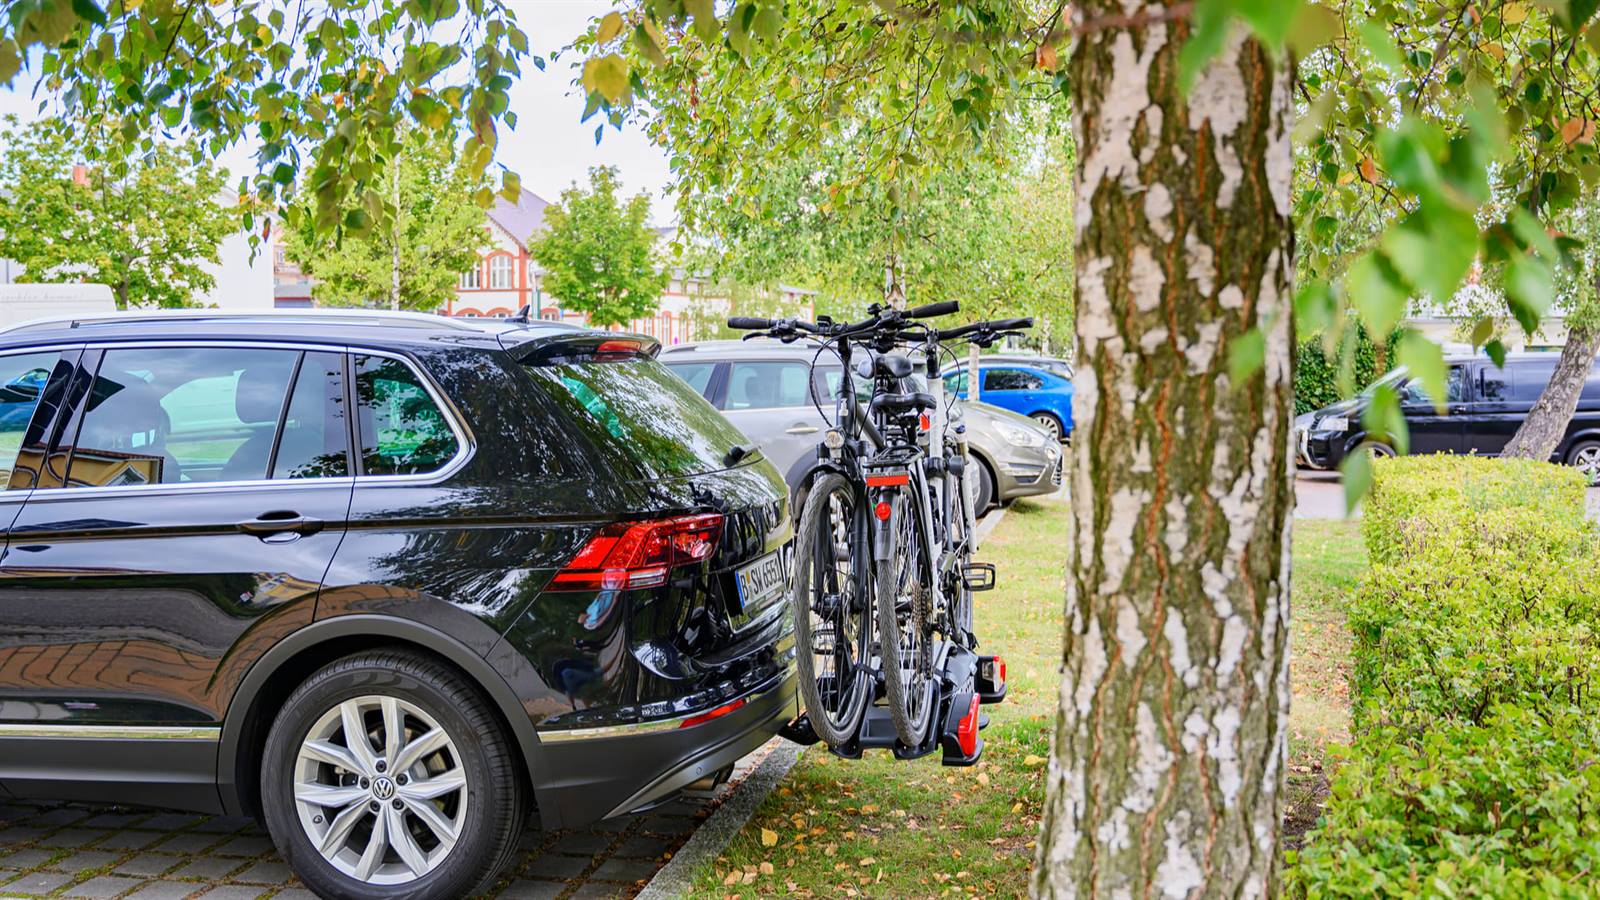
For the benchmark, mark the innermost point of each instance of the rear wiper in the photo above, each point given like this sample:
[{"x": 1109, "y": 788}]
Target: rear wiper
[{"x": 738, "y": 452}]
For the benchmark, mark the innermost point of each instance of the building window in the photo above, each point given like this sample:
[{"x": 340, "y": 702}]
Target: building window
[
  {"x": 500, "y": 272},
  {"x": 472, "y": 279}
]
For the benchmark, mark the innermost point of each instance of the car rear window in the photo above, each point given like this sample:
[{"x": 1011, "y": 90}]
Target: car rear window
[{"x": 635, "y": 409}]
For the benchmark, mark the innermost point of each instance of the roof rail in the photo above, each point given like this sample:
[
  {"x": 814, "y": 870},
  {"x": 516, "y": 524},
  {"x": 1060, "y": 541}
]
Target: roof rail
[{"x": 371, "y": 316}]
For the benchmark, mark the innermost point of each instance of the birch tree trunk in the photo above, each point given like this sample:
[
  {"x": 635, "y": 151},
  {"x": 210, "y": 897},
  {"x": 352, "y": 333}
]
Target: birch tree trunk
[
  {"x": 1170, "y": 738},
  {"x": 1547, "y": 421}
]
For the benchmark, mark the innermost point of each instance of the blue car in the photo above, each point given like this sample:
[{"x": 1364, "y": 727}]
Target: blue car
[{"x": 1037, "y": 393}]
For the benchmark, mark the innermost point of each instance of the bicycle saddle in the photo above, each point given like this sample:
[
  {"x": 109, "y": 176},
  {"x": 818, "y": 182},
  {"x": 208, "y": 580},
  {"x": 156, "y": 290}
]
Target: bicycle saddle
[
  {"x": 892, "y": 365},
  {"x": 917, "y": 400}
]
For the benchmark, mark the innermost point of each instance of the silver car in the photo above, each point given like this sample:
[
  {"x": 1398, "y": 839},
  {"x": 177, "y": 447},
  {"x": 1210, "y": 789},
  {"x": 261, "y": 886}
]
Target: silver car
[{"x": 772, "y": 393}]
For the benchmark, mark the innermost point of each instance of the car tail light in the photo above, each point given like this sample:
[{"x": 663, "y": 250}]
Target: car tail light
[
  {"x": 717, "y": 713},
  {"x": 967, "y": 729},
  {"x": 626, "y": 555},
  {"x": 618, "y": 348}
]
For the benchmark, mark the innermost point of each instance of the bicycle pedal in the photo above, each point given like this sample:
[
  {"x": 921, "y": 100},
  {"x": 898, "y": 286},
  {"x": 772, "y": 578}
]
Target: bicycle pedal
[{"x": 978, "y": 576}]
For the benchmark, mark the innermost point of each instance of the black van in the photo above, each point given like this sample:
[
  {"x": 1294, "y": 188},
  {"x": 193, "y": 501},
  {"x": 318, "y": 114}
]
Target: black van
[{"x": 1485, "y": 404}]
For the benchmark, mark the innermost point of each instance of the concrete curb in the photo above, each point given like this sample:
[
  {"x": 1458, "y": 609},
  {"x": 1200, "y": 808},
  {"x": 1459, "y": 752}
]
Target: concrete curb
[{"x": 676, "y": 878}]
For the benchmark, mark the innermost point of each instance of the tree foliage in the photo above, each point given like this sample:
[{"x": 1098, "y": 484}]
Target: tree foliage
[
  {"x": 599, "y": 252},
  {"x": 146, "y": 225},
  {"x": 323, "y": 89},
  {"x": 433, "y": 233}
]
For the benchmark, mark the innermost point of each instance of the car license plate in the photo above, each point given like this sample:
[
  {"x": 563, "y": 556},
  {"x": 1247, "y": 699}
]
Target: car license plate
[{"x": 761, "y": 581}]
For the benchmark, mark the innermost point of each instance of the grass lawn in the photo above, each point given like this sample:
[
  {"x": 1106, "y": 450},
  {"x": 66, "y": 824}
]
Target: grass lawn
[{"x": 878, "y": 827}]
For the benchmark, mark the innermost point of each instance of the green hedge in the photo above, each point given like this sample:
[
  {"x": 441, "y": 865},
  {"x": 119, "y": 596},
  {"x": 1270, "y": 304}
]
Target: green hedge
[
  {"x": 1508, "y": 809},
  {"x": 1475, "y": 690},
  {"x": 1417, "y": 502},
  {"x": 1316, "y": 372}
]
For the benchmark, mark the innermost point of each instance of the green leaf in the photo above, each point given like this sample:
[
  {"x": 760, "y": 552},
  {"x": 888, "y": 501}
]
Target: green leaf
[
  {"x": 1383, "y": 419},
  {"x": 1496, "y": 351},
  {"x": 1433, "y": 259},
  {"x": 1245, "y": 356},
  {"x": 1578, "y": 13},
  {"x": 1377, "y": 40},
  {"x": 606, "y": 75},
  {"x": 1528, "y": 285},
  {"x": 1208, "y": 31},
  {"x": 89, "y": 11},
  {"x": 1482, "y": 331},
  {"x": 1314, "y": 307},
  {"x": 1270, "y": 21},
  {"x": 510, "y": 185},
  {"x": 610, "y": 27},
  {"x": 1425, "y": 360},
  {"x": 649, "y": 43},
  {"x": 10, "y": 61},
  {"x": 1377, "y": 292},
  {"x": 1356, "y": 473},
  {"x": 1313, "y": 26},
  {"x": 1533, "y": 235},
  {"x": 705, "y": 18}
]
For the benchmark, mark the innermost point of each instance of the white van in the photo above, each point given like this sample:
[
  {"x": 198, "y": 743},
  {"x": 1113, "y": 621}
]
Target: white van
[{"x": 23, "y": 302}]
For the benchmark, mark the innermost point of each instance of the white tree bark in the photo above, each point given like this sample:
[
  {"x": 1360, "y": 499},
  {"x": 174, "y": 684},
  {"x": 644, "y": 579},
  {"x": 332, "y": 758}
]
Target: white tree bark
[{"x": 1169, "y": 744}]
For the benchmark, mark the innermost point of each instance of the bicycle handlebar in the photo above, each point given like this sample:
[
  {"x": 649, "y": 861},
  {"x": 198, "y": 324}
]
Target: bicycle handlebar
[
  {"x": 932, "y": 310},
  {"x": 749, "y": 323}
]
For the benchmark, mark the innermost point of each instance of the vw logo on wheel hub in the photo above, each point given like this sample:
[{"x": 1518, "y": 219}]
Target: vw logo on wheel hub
[{"x": 382, "y": 788}]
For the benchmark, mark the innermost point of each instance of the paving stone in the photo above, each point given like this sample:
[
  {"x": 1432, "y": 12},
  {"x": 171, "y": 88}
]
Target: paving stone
[
  {"x": 615, "y": 825},
  {"x": 267, "y": 871},
  {"x": 225, "y": 824},
  {"x": 552, "y": 865},
  {"x": 103, "y": 887},
  {"x": 36, "y": 884},
  {"x": 84, "y": 860},
  {"x": 169, "y": 821},
  {"x": 147, "y": 864},
  {"x": 233, "y": 892},
  {"x": 129, "y": 840},
  {"x": 187, "y": 842},
  {"x": 31, "y": 858},
  {"x": 19, "y": 834},
  {"x": 245, "y": 846},
  {"x": 13, "y": 811},
  {"x": 71, "y": 837},
  {"x": 643, "y": 848},
  {"x": 532, "y": 840},
  {"x": 114, "y": 820},
  {"x": 668, "y": 825},
  {"x": 163, "y": 890},
  {"x": 600, "y": 890},
  {"x": 208, "y": 867},
  {"x": 585, "y": 844},
  {"x": 523, "y": 889},
  {"x": 294, "y": 894},
  {"x": 60, "y": 815},
  {"x": 625, "y": 870}
]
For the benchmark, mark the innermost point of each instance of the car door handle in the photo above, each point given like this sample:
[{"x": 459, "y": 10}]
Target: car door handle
[
  {"x": 802, "y": 429},
  {"x": 280, "y": 522}
]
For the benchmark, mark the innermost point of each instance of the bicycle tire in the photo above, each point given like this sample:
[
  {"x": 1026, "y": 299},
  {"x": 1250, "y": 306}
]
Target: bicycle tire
[
  {"x": 911, "y": 723},
  {"x": 837, "y": 723}
]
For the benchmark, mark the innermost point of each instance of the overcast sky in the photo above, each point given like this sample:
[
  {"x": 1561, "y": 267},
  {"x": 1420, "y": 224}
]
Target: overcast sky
[{"x": 550, "y": 147}]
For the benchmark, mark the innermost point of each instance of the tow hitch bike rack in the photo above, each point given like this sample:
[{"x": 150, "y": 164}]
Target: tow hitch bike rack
[{"x": 968, "y": 681}]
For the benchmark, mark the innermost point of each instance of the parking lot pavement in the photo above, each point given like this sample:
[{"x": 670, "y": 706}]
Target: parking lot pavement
[
  {"x": 80, "y": 850},
  {"x": 1319, "y": 495}
]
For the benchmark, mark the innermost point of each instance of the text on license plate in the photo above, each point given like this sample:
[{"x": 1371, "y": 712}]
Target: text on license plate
[{"x": 760, "y": 581}]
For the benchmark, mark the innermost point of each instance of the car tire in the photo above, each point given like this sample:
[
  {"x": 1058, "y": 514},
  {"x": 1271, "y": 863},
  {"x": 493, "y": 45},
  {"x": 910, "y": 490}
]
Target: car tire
[
  {"x": 458, "y": 840},
  {"x": 983, "y": 497},
  {"x": 1378, "y": 449},
  {"x": 1050, "y": 424},
  {"x": 1585, "y": 457}
]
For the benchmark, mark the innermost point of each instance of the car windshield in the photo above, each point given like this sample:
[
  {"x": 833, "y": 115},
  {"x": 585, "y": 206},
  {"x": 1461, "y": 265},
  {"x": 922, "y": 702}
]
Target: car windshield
[{"x": 1395, "y": 377}]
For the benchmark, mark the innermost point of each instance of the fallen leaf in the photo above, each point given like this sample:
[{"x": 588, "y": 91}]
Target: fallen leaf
[
  {"x": 766, "y": 868},
  {"x": 1031, "y": 760},
  {"x": 769, "y": 838}
]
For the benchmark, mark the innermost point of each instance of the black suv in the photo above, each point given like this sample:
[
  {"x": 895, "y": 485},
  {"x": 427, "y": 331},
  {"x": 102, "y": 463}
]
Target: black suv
[
  {"x": 390, "y": 582},
  {"x": 1485, "y": 404}
]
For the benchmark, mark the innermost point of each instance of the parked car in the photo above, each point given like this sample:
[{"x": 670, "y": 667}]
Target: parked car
[
  {"x": 1038, "y": 393},
  {"x": 390, "y": 582},
  {"x": 1048, "y": 363},
  {"x": 770, "y": 391},
  {"x": 1484, "y": 406}
]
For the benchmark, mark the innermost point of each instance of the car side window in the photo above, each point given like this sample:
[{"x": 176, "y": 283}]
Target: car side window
[
  {"x": 1010, "y": 380},
  {"x": 316, "y": 439},
  {"x": 1492, "y": 385},
  {"x": 171, "y": 416},
  {"x": 697, "y": 374},
  {"x": 768, "y": 385},
  {"x": 1455, "y": 389},
  {"x": 403, "y": 432},
  {"x": 22, "y": 382},
  {"x": 1529, "y": 379}
]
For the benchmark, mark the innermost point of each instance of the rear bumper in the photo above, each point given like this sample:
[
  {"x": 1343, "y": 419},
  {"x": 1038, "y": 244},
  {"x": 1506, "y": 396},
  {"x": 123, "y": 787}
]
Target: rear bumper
[{"x": 585, "y": 774}]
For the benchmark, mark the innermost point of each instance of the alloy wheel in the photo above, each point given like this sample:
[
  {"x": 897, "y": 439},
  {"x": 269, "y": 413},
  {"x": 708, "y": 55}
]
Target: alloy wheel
[
  {"x": 1050, "y": 425},
  {"x": 380, "y": 790},
  {"x": 1587, "y": 461}
]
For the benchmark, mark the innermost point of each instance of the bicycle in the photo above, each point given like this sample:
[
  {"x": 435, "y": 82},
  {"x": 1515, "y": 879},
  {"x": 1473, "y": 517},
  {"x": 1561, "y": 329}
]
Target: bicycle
[{"x": 886, "y": 527}]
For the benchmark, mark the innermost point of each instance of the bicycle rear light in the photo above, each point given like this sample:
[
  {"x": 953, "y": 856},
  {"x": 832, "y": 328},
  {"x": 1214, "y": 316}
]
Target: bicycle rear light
[{"x": 626, "y": 555}]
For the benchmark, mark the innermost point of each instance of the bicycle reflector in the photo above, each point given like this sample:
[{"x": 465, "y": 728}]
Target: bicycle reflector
[
  {"x": 967, "y": 729},
  {"x": 625, "y": 555}
]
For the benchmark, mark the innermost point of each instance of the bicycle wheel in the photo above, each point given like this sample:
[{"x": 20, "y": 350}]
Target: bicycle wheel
[
  {"x": 905, "y": 631},
  {"x": 832, "y": 611}
]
